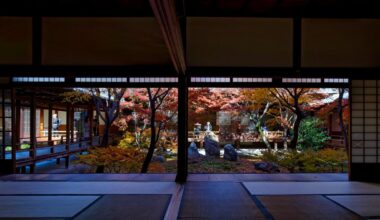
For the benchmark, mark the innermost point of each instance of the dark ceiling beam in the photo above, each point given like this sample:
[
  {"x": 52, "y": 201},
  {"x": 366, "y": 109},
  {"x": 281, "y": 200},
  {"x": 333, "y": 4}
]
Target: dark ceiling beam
[
  {"x": 76, "y": 8},
  {"x": 166, "y": 15},
  {"x": 289, "y": 9},
  {"x": 100, "y": 71}
]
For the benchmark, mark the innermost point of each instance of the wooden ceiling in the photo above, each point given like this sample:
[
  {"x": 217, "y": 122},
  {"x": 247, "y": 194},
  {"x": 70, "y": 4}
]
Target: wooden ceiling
[
  {"x": 282, "y": 8},
  {"x": 206, "y": 8}
]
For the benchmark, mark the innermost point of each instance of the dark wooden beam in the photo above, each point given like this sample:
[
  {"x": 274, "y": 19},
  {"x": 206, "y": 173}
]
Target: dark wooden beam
[
  {"x": 68, "y": 139},
  {"x": 50, "y": 124},
  {"x": 17, "y": 114},
  {"x": 75, "y": 8},
  {"x": 297, "y": 44},
  {"x": 36, "y": 40},
  {"x": 166, "y": 15},
  {"x": 75, "y": 70},
  {"x": 72, "y": 124},
  {"x": 90, "y": 122},
  {"x": 182, "y": 130},
  {"x": 14, "y": 130},
  {"x": 33, "y": 141}
]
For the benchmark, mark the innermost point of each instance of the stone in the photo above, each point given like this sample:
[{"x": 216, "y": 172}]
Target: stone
[
  {"x": 158, "y": 158},
  {"x": 268, "y": 167},
  {"x": 211, "y": 135},
  {"x": 230, "y": 153},
  {"x": 192, "y": 151},
  {"x": 211, "y": 147}
]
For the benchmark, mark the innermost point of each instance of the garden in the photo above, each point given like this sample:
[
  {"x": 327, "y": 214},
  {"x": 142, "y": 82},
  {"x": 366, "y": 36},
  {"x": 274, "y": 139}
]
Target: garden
[{"x": 231, "y": 130}]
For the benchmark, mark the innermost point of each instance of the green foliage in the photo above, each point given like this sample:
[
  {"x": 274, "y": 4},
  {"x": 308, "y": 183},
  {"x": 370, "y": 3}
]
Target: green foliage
[
  {"x": 22, "y": 147},
  {"x": 311, "y": 134},
  {"x": 309, "y": 161}
]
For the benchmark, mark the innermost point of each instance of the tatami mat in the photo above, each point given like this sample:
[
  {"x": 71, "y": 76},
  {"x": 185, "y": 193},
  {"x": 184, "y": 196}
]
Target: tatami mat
[
  {"x": 311, "y": 188},
  {"x": 58, "y": 188},
  {"x": 126, "y": 207},
  {"x": 217, "y": 200},
  {"x": 364, "y": 205},
  {"x": 309, "y": 207},
  {"x": 43, "y": 206}
]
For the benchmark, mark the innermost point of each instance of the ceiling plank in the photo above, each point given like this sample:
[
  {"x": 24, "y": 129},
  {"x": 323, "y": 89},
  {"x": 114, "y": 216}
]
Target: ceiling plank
[{"x": 166, "y": 15}]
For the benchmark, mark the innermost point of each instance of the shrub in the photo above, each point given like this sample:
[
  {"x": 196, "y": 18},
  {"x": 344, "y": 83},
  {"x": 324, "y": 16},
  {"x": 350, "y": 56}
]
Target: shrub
[
  {"x": 22, "y": 147},
  {"x": 131, "y": 140},
  {"x": 311, "y": 134},
  {"x": 310, "y": 161},
  {"x": 117, "y": 160}
]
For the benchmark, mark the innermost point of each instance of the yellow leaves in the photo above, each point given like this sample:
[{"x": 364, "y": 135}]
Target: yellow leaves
[
  {"x": 115, "y": 159},
  {"x": 75, "y": 97}
]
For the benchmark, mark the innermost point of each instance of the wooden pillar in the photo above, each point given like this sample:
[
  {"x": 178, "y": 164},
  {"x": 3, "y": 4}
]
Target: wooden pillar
[
  {"x": 32, "y": 152},
  {"x": 182, "y": 129},
  {"x": 90, "y": 118},
  {"x": 72, "y": 124},
  {"x": 18, "y": 121},
  {"x": 14, "y": 130},
  {"x": 2, "y": 143},
  {"x": 68, "y": 126},
  {"x": 50, "y": 127}
]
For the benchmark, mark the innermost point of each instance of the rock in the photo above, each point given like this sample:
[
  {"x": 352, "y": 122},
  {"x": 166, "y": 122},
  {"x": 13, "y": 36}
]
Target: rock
[
  {"x": 192, "y": 151},
  {"x": 230, "y": 153},
  {"x": 211, "y": 147},
  {"x": 267, "y": 167},
  {"x": 158, "y": 158},
  {"x": 211, "y": 135}
]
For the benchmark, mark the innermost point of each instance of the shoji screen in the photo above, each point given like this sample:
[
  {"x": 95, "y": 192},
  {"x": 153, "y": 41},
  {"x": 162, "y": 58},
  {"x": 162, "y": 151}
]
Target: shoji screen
[{"x": 365, "y": 127}]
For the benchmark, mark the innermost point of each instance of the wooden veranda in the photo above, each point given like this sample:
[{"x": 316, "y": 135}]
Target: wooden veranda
[{"x": 45, "y": 144}]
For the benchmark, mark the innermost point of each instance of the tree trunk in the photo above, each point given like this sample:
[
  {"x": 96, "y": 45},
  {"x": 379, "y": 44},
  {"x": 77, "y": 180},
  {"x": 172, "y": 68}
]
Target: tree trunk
[
  {"x": 297, "y": 123},
  {"x": 152, "y": 145},
  {"x": 341, "y": 122},
  {"x": 105, "y": 135},
  {"x": 100, "y": 169}
]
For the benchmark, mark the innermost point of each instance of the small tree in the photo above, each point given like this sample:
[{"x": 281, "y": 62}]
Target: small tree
[
  {"x": 156, "y": 100},
  {"x": 153, "y": 109},
  {"x": 311, "y": 134},
  {"x": 342, "y": 112},
  {"x": 296, "y": 100},
  {"x": 108, "y": 101}
]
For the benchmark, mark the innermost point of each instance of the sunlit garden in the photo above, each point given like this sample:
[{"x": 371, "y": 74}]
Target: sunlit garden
[
  {"x": 268, "y": 130},
  {"x": 230, "y": 130}
]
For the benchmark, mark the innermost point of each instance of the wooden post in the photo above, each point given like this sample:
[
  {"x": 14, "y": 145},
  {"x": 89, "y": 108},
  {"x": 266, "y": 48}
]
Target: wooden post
[
  {"x": 18, "y": 121},
  {"x": 14, "y": 130},
  {"x": 72, "y": 124},
  {"x": 90, "y": 118},
  {"x": 68, "y": 125},
  {"x": 32, "y": 152},
  {"x": 182, "y": 129},
  {"x": 50, "y": 127}
]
